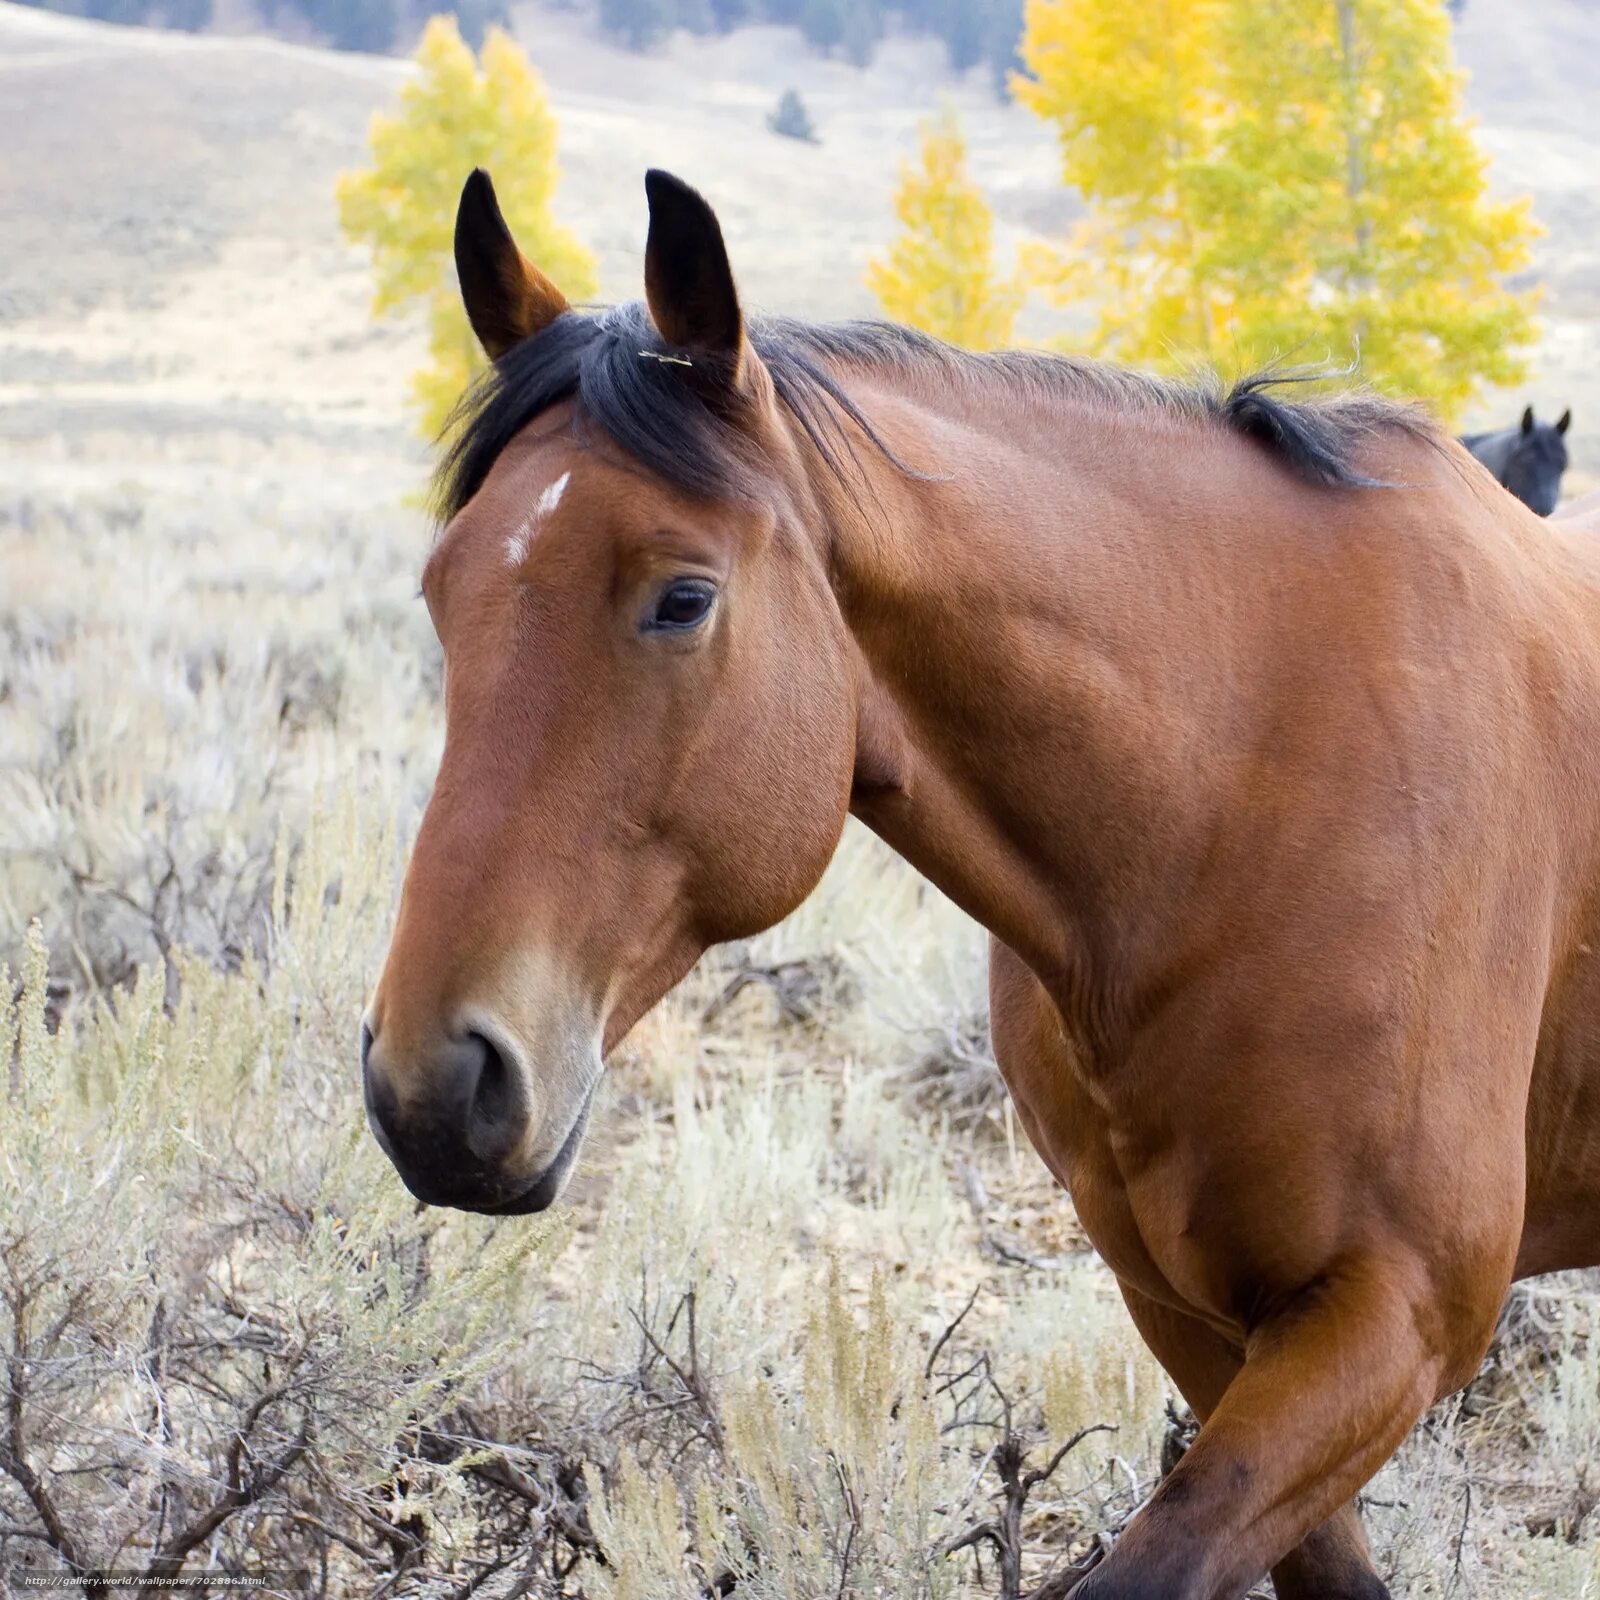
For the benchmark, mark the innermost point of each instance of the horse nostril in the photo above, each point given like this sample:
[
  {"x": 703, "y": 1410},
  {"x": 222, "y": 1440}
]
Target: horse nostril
[
  {"x": 459, "y": 1108},
  {"x": 497, "y": 1109}
]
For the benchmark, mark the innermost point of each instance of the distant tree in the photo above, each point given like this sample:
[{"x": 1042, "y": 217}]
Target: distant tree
[
  {"x": 1132, "y": 93},
  {"x": 791, "y": 118},
  {"x": 939, "y": 274},
  {"x": 455, "y": 115},
  {"x": 698, "y": 16},
  {"x": 366, "y": 25},
  {"x": 1002, "y": 44},
  {"x": 963, "y": 27},
  {"x": 123, "y": 11},
  {"x": 189, "y": 15},
  {"x": 1357, "y": 188},
  {"x": 1270, "y": 176},
  {"x": 474, "y": 18}
]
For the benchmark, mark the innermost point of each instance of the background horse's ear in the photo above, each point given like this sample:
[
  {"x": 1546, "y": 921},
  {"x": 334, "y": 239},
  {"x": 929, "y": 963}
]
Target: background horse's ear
[
  {"x": 1527, "y": 420},
  {"x": 688, "y": 283},
  {"x": 506, "y": 296},
  {"x": 1565, "y": 422}
]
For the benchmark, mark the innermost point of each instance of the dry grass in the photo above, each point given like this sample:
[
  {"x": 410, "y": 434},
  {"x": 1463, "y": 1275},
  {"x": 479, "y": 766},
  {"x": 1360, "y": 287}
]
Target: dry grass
[
  {"x": 816, "y": 1311},
  {"x": 739, "y": 1363}
]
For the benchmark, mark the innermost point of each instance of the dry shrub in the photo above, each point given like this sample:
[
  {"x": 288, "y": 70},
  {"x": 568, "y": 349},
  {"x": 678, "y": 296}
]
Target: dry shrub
[
  {"x": 225, "y": 1327},
  {"x": 736, "y": 1364},
  {"x": 175, "y": 702}
]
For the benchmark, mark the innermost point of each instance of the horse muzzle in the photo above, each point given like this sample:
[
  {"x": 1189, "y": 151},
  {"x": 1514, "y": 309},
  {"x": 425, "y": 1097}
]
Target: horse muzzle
[{"x": 465, "y": 1126}]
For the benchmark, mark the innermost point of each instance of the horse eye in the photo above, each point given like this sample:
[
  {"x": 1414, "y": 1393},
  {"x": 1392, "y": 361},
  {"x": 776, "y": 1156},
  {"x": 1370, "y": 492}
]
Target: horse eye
[{"x": 684, "y": 604}]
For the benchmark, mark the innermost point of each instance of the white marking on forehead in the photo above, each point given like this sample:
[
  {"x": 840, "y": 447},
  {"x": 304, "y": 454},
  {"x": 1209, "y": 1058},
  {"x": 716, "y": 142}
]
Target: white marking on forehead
[
  {"x": 551, "y": 498},
  {"x": 518, "y": 544}
]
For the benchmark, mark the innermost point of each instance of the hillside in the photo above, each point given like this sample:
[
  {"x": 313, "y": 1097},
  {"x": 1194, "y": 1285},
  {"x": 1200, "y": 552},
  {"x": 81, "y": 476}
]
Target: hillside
[
  {"x": 173, "y": 274},
  {"x": 191, "y": 280}
]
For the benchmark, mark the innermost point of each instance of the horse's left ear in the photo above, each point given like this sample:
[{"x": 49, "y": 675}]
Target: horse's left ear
[
  {"x": 1565, "y": 422},
  {"x": 508, "y": 299},
  {"x": 1527, "y": 420},
  {"x": 688, "y": 282}
]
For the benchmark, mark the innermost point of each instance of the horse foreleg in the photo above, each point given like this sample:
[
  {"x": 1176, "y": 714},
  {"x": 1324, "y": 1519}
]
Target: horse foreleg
[
  {"x": 1334, "y": 1563},
  {"x": 1331, "y": 1563},
  {"x": 1328, "y": 1388}
]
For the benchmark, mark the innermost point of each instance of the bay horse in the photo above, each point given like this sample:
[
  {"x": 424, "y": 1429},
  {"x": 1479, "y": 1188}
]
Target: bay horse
[
  {"x": 1263, "y": 735},
  {"x": 1527, "y": 459}
]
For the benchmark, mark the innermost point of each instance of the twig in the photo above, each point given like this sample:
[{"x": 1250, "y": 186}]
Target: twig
[
  {"x": 14, "y": 1452},
  {"x": 949, "y": 1331},
  {"x": 241, "y": 1491},
  {"x": 1004, "y": 1533},
  {"x": 694, "y": 1384}
]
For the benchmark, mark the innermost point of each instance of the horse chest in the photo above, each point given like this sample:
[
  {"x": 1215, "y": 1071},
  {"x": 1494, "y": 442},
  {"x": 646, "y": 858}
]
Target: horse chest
[{"x": 1128, "y": 1205}]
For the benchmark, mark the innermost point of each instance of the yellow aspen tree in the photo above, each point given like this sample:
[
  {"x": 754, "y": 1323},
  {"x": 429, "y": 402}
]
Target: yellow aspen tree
[
  {"x": 1355, "y": 196},
  {"x": 939, "y": 273},
  {"x": 1281, "y": 180},
  {"x": 1132, "y": 92},
  {"x": 457, "y": 113}
]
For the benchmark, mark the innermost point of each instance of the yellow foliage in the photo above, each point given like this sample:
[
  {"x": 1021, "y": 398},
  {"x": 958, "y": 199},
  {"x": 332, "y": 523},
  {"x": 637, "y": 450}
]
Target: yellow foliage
[
  {"x": 939, "y": 274},
  {"x": 1131, "y": 90},
  {"x": 455, "y": 114},
  {"x": 1275, "y": 177}
]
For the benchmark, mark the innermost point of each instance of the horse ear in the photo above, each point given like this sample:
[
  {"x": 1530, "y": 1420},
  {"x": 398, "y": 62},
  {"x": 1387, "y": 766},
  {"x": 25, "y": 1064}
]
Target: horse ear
[
  {"x": 688, "y": 283},
  {"x": 508, "y": 299},
  {"x": 1565, "y": 422},
  {"x": 1527, "y": 420}
]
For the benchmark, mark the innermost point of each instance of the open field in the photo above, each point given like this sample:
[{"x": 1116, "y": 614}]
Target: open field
[
  {"x": 741, "y": 1352},
  {"x": 200, "y": 1239},
  {"x": 173, "y": 269}
]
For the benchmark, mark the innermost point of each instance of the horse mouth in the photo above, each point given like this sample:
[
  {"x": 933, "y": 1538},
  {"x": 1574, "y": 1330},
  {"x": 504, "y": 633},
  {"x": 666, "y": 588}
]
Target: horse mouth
[
  {"x": 547, "y": 1187},
  {"x": 485, "y": 1193}
]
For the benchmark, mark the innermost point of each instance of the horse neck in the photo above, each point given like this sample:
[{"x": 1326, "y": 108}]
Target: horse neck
[{"x": 1035, "y": 682}]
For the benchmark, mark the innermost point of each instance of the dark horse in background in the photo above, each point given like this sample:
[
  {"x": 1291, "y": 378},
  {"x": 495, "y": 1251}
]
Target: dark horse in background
[
  {"x": 1527, "y": 459},
  {"x": 1263, "y": 737}
]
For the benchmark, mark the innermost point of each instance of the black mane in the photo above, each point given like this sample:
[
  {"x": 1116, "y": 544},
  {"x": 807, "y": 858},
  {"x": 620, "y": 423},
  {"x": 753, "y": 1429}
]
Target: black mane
[{"x": 659, "y": 405}]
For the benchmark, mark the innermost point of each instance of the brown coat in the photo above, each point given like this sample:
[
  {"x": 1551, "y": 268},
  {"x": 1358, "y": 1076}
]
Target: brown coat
[{"x": 1281, "y": 799}]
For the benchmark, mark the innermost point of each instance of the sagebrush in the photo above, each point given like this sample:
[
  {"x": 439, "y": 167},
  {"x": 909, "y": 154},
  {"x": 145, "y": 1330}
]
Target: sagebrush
[{"x": 815, "y": 1322}]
